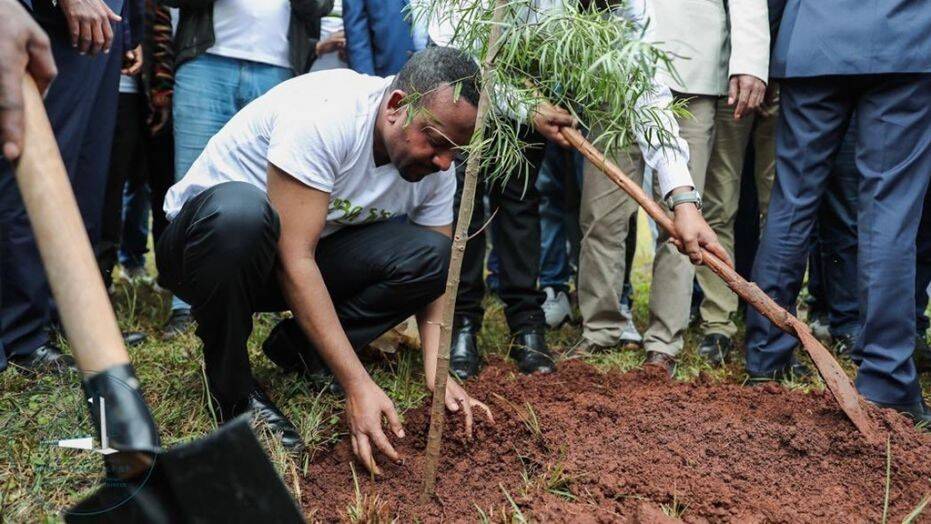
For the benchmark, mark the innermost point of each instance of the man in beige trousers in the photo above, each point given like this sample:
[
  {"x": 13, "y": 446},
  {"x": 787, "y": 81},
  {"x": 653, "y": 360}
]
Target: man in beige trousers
[
  {"x": 721, "y": 197},
  {"x": 697, "y": 35}
]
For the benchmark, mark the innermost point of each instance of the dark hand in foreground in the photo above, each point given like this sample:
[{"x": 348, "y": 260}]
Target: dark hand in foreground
[
  {"x": 457, "y": 399},
  {"x": 132, "y": 61},
  {"x": 366, "y": 404},
  {"x": 336, "y": 42},
  {"x": 89, "y": 24},
  {"x": 695, "y": 234},
  {"x": 24, "y": 46},
  {"x": 549, "y": 120},
  {"x": 747, "y": 91}
]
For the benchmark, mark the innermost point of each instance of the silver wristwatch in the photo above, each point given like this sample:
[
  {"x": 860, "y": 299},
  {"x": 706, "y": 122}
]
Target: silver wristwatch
[{"x": 692, "y": 196}]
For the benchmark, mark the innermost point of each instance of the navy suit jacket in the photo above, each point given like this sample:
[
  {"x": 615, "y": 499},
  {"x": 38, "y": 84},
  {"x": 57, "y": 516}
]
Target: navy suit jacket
[
  {"x": 850, "y": 37},
  {"x": 378, "y": 36}
]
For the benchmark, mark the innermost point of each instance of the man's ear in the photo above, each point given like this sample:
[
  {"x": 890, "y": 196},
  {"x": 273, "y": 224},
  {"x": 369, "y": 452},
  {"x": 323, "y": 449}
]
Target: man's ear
[{"x": 395, "y": 105}]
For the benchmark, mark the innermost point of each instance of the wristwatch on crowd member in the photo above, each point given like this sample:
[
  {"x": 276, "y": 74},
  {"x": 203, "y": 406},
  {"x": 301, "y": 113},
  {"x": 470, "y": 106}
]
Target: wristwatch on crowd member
[{"x": 692, "y": 196}]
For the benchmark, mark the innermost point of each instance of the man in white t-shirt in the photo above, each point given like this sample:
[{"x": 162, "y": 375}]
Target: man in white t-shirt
[{"x": 296, "y": 204}]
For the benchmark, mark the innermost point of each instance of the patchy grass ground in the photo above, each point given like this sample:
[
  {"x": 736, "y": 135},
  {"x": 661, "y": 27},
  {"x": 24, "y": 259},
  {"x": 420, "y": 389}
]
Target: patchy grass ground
[{"x": 38, "y": 480}]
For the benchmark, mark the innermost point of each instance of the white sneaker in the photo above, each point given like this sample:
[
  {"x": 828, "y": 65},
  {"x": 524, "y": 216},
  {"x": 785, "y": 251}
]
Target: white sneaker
[
  {"x": 629, "y": 333},
  {"x": 556, "y": 308}
]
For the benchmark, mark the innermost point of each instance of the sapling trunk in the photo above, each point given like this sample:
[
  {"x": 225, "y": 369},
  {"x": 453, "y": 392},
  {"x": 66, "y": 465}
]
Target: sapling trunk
[{"x": 460, "y": 236}]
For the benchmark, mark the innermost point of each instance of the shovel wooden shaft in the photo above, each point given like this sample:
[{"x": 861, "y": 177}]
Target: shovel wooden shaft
[
  {"x": 834, "y": 377},
  {"x": 73, "y": 275}
]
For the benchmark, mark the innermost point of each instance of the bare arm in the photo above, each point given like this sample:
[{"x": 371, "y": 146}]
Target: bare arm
[
  {"x": 428, "y": 324},
  {"x": 303, "y": 210}
]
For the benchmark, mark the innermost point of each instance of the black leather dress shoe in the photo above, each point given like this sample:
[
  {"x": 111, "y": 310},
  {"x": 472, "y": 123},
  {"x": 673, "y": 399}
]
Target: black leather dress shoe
[
  {"x": 715, "y": 348},
  {"x": 793, "y": 370},
  {"x": 133, "y": 338},
  {"x": 264, "y": 411},
  {"x": 47, "y": 358},
  {"x": 917, "y": 411},
  {"x": 529, "y": 350},
  {"x": 464, "y": 358}
]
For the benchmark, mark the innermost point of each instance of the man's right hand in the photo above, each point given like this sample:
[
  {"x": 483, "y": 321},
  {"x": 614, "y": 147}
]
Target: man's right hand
[
  {"x": 366, "y": 404},
  {"x": 23, "y": 46},
  {"x": 89, "y": 24}
]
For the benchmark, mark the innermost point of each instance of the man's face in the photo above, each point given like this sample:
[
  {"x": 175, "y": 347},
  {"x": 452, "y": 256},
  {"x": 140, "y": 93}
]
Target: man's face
[{"x": 427, "y": 143}]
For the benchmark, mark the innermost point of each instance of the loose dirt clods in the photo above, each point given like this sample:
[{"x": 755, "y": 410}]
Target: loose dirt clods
[{"x": 587, "y": 446}]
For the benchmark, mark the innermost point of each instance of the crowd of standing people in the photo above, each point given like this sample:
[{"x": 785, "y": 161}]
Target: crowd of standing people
[{"x": 258, "y": 145}]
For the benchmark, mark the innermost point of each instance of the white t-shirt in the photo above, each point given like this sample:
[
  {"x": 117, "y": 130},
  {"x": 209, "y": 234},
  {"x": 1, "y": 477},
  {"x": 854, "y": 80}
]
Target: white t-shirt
[
  {"x": 252, "y": 30},
  {"x": 319, "y": 128}
]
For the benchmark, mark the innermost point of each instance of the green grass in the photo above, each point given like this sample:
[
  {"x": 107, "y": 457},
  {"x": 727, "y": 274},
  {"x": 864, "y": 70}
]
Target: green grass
[{"x": 37, "y": 480}]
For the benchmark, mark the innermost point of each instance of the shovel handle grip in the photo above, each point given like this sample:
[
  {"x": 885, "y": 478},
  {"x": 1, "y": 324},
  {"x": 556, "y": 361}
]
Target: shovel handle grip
[{"x": 72, "y": 270}]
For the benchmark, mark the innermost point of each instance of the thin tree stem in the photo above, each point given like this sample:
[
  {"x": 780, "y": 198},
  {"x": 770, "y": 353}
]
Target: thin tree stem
[{"x": 437, "y": 412}]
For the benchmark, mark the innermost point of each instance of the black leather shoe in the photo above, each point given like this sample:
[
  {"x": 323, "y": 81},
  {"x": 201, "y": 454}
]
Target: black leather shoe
[
  {"x": 917, "y": 411},
  {"x": 264, "y": 411},
  {"x": 793, "y": 370},
  {"x": 529, "y": 350},
  {"x": 133, "y": 338},
  {"x": 179, "y": 322},
  {"x": 922, "y": 354},
  {"x": 464, "y": 358},
  {"x": 47, "y": 358},
  {"x": 715, "y": 348}
]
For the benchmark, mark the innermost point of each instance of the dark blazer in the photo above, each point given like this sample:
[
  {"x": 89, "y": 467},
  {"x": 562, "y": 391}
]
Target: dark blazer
[
  {"x": 849, "y": 37},
  {"x": 378, "y": 36}
]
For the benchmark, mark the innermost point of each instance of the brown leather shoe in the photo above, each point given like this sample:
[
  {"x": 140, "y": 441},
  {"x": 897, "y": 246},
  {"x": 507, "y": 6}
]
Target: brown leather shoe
[{"x": 661, "y": 360}]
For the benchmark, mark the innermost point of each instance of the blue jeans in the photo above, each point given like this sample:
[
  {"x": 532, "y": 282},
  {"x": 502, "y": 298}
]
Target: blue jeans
[
  {"x": 135, "y": 235},
  {"x": 554, "y": 256},
  {"x": 208, "y": 91}
]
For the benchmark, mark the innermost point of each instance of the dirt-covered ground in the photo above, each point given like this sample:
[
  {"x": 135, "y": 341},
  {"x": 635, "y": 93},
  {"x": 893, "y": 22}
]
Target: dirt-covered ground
[{"x": 583, "y": 445}]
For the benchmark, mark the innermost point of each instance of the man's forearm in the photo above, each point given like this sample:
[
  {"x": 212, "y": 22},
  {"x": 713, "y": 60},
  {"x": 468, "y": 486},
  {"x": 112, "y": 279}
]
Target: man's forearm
[
  {"x": 428, "y": 323},
  {"x": 306, "y": 293}
]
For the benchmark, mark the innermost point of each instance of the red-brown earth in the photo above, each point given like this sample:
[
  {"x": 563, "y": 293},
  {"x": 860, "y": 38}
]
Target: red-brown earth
[{"x": 611, "y": 444}]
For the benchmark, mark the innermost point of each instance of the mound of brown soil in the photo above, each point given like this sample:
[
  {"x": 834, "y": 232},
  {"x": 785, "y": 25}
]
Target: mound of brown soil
[{"x": 581, "y": 445}]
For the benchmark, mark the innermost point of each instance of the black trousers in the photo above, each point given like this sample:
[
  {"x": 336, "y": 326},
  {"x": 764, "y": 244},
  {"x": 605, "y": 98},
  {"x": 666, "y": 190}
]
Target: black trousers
[
  {"x": 137, "y": 158},
  {"x": 220, "y": 255},
  {"x": 81, "y": 106},
  {"x": 515, "y": 237}
]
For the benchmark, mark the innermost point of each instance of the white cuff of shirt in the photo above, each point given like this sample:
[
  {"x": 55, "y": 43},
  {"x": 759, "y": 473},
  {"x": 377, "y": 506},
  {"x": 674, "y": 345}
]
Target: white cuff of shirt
[{"x": 672, "y": 175}]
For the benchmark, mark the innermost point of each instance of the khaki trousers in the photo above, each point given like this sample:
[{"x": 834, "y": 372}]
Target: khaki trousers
[
  {"x": 604, "y": 219},
  {"x": 721, "y": 197}
]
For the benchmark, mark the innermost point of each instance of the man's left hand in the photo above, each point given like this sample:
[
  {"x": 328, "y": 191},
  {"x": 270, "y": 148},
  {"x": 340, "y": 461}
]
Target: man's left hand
[
  {"x": 132, "y": 61},
  {"x": 549, "y": 120},
  {"x": 695, "y": 234},
  {"x": 747, "y": 91}
]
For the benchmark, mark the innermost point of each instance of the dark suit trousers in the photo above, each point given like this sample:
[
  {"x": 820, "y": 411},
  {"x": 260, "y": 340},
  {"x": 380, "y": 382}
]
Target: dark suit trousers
[
  {"x": 893, "y": 157},
  {"x": 515, "y": 237},
  {"x": 81, "y": 105},
  {"x": 219, "y": 254}
]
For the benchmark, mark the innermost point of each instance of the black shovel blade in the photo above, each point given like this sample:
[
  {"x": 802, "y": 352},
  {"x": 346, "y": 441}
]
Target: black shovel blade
[{"x": 224, "y": 477}]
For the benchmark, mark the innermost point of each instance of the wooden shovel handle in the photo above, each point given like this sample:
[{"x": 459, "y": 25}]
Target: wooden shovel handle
[{"x": 66, "y": 252}]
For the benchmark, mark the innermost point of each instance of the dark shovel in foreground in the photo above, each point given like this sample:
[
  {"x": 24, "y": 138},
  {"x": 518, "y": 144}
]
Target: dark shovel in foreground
[{"x": 225, "y": 477}]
